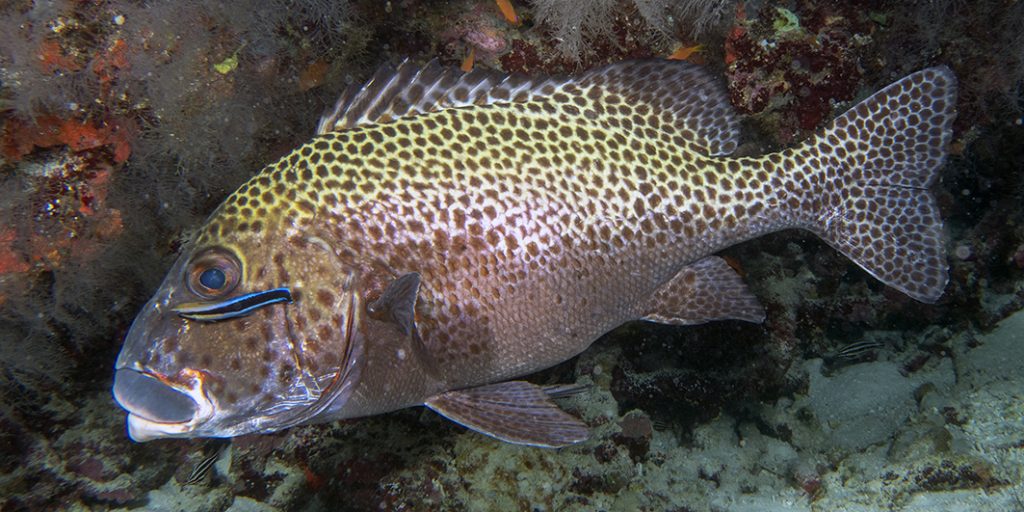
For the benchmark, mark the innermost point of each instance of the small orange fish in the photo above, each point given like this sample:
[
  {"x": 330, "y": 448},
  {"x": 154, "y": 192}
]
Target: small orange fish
[
  {"x": 686, "y": 52},
  {"x": 467, "y": 63},
  {"x": 508, "y": 12}
]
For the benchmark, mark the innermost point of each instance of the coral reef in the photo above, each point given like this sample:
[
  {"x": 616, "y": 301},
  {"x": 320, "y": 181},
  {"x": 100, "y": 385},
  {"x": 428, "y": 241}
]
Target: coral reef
[
  {"x": 112, "y": 112},
  {"x": 580, "y": 28},
  {"x": 123, "y": 123},
  {"x": 799, "y": 62},
  {"x": 983, "y": 43}
]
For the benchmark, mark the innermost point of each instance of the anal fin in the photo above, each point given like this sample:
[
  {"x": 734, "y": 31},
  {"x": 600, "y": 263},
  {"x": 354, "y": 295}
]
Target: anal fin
[
  {"x": 516, "y": 412},
  {"x": 708, "y": 289}
]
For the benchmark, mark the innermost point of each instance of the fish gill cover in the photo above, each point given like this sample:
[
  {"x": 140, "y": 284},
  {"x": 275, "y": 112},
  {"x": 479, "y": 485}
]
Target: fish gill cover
[{"x": 123, "y": 127}]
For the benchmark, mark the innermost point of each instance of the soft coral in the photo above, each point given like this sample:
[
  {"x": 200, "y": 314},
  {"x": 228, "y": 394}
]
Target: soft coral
[{"x": 20, "y": 137}]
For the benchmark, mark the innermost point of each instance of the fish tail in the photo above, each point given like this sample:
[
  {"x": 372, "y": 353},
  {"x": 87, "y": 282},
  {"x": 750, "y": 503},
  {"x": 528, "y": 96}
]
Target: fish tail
[{"x": 876, "y": 163}]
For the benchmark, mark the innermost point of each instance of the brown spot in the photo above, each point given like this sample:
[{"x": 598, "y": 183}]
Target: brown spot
[
  {"x": 639, "y": 207},
  {"x": 325, "y": 332},
  {"x": 532, "y": 249},
  {"x": 285, "y": 374},
  {"x": 325, "y": 297},
  {"x": 252, "y": 343},
  {"x": 306, "y": 206}
]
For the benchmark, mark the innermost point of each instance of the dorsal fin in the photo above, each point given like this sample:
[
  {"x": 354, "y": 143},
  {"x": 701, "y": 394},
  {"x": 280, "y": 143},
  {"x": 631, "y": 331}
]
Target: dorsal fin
[
  {"x": 696, "y": 102},
  {"x": 410, "y": 90},
  {"x": 667, "y": 95}
]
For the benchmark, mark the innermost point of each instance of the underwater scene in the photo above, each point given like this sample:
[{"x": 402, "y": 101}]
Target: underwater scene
[{"x": 512, "y": 255}]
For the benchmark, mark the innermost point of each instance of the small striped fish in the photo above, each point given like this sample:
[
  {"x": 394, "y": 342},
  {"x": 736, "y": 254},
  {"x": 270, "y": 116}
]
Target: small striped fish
[
  {"x": 858, "y": 350},
  {"x": 201, "y": 469}
]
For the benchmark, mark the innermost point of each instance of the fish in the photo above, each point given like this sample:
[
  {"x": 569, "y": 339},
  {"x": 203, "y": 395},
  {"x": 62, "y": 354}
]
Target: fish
[
  {"x": 467, "y": 63},
  {"x": 508, "y": 12},
  {"x": 858, "y": 350},
  {"x": 201, "y": 469},
  {"x": 444, "y": 234},
  {"x": 685, "y": 52}
]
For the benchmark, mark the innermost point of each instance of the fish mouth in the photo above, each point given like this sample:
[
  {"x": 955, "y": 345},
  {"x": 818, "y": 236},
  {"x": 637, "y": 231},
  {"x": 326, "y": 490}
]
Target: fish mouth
[{"x": 158, "y": 408}]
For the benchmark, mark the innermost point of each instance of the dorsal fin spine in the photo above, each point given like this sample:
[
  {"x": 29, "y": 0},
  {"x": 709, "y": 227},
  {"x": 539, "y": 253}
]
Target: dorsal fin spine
[{"x": 688, "y": 100}]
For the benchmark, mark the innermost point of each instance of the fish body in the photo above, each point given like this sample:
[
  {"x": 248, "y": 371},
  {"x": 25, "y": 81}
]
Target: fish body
[
  {"x": 201, "y": 469},
  {"x": 444, "y": 233},
  {"x": 858, "y": 350}
]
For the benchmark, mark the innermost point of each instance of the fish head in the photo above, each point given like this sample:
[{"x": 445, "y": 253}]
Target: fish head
[{"x": 243, "y": 336}]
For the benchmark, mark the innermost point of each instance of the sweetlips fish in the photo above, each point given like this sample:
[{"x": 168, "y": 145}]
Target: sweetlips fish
[{"x": 445, "y": 233}]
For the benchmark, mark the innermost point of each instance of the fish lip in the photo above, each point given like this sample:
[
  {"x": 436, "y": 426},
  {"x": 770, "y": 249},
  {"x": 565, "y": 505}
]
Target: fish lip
[{"x": 141, "y": 429}]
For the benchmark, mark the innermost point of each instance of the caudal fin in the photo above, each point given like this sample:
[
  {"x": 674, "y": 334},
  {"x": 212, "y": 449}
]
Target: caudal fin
[{"x": 877, "y": 162}]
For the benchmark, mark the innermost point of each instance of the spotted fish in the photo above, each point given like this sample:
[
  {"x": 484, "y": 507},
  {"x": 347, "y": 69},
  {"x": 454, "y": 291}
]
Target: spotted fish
[{"x": 445, "y": 233}]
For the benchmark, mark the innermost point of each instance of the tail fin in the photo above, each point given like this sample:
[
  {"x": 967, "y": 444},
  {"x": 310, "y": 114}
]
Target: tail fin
[{"x": 878, "y": 160}]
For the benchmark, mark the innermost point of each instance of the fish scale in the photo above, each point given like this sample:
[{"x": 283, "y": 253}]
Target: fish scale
[
  {"x": 542, "y": 216},
  {"x": 524, "y": 218}
]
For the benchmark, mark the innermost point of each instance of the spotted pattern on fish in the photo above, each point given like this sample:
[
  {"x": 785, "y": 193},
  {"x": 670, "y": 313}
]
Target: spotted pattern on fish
[
  {"x": 494, "y": 202},
  {"x": 534, "y": 215}
]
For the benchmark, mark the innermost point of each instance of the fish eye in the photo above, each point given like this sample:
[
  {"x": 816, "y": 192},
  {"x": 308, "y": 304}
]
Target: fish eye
[
  {"x": 213, "y": 278},
  {"x": 214, "y": 273}
]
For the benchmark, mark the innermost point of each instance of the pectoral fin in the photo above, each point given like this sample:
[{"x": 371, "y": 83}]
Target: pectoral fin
[
  {"x": 397, "y": 306},
  {"x": 398, "y": 303},
  {"x": 706, "y": 290},
  {"x": 516, "y": 412}
]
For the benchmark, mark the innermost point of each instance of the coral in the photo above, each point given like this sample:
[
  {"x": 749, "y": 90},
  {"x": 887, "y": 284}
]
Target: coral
[
  {"x": 480, "y": 30},
  {"x": 578, "y": 27},
  {"x": 77, "y": 462},
  {"x": 696, "y": 17},
  {"x": 659, "y": 374},
  {"x": 629, "y": 37},
  {"x": 20, "y": 137},
  {"x": 809, "y": 480},
  {"x": 949, "y": 475},
  {"x": 796, "y": 64},
  {"x": 983, "y": 43},
  {"x": 575, "y": 25},
  {"x": 120, "y": 102},
  {"x": 636, "y": 434},
  {"x": 65, "y": 221},
  {"x": 112, "y": 115},
  {"x": 114, "y": 64}
]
